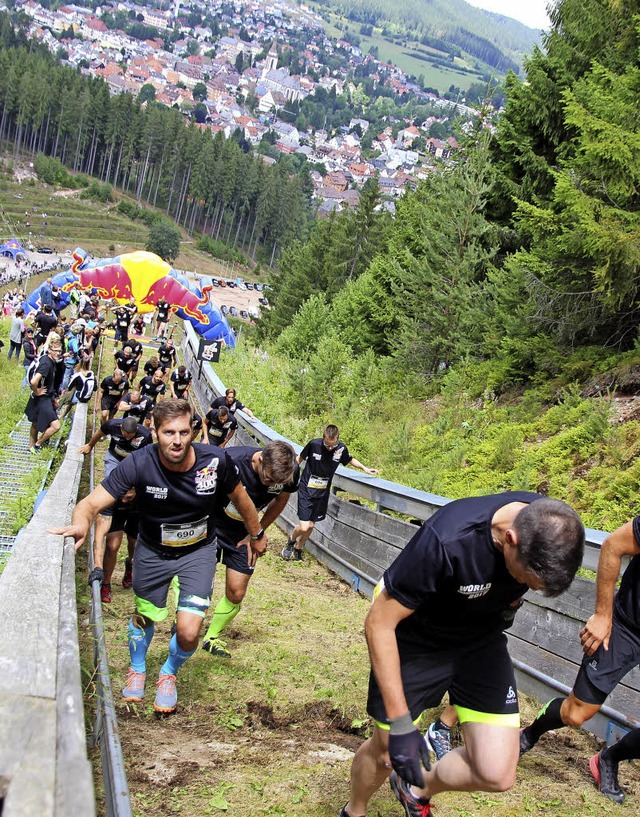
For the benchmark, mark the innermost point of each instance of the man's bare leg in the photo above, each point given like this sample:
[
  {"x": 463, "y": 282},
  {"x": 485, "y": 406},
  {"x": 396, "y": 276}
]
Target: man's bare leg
[{"x": 369, "y": 770}]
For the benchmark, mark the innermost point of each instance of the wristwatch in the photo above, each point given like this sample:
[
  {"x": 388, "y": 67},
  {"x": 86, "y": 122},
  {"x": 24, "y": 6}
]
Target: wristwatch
[{"x": 255, "y": 536}]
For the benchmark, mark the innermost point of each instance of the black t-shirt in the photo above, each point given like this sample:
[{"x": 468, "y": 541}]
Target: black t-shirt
[
  {"x": 219, "y": 431},
  {"x": 153, "y": 390},
  {"x": 230, "y": 524},
  {"x": 180, "y": 382},
  {"x": 45, "y": 322},
  {"x": 196, "y": 422},
  {"x": 113, "y": 391},
  {"x": 222, "y": 401},
  {"x": 452, "y": 574},
  {"x": 321, "y": 465},
  {"x": 167, "y": 355},
  {"x": 118, "y": 445},
  {"x": 175, "y": 506},
  {"x": 138, "y": 410},
  {"x": 124, "y": 317},
  {"x": 124, "y": 363},
  {"x": 163, "y": 308},
  {"x": 135, "y": 346},
  {"x": 48, "y": 369},
  {"x": 627, "y": 599},
  {"x": 150, "y": 368}
]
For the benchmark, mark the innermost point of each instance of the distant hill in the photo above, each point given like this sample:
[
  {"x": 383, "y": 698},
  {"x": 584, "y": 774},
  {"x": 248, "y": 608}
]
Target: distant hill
[{"x": 450, "y": 26}]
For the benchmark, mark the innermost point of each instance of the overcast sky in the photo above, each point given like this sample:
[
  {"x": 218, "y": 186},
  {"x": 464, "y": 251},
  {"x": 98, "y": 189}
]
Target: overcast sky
[{"x": 532, "y": 13}]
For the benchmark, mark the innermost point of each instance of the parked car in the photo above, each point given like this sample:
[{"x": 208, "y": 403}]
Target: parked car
[
  {"x": 224, "y": 309},
  {"x": 231, "y": 284},
  {"x": 266, "y": 286},
  {"x": 222, "y": 282},
  {"x": 215, "y": 282},
  {"x": 233, "y": 311},
  {"x": 46, "y": 250},
  {"x": 258, "y": 287},
  {"x": 248, "y": 285},
  {"x": 263, "y": 301},
  {"x": 244, "y": 314}
]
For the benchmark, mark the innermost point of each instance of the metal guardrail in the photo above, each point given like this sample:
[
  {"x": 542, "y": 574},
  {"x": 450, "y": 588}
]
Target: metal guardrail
[{"x": 420, "y": 505}]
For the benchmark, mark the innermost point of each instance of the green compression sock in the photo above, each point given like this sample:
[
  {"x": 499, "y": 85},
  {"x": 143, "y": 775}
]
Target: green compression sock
[{"x": 224, "y": 614}]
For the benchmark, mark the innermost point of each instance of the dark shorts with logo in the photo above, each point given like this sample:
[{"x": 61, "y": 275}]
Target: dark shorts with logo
[
  {"x": 601, "y": 672},
  {"x": 478, "y": 676},
  {"x": 122, "y": 333},
  {"x": 109, "y": 404},
  {"x": 232, "y": 557},
  {"x": 153, "y": 573},
  {"x": 312, "y": 507}
]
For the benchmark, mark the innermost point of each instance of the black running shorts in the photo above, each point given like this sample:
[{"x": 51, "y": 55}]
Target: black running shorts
[
  {"x": 41, "y": 412},
  {"x": 312, "y": 507},
  {"x": 478, "y": 676},
  {"x": 601, "y": 672},
  {"x": 232, "y": 557}
]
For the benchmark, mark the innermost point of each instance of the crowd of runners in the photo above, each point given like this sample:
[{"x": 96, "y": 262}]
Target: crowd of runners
[{"x": 437, "y": 623}]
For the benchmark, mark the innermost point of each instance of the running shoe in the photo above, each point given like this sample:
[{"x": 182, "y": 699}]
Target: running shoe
[
  {"x": 127, "y": 579},
  {"x": 167, "y": 694},
  {"x": 438, "y": 741},
  {"x": 526, "y": 744},
  {"x": 297, "y": 555},
  {"x": 216, "y": 646},
  {"x": 412, "y": 806},
  {"x": 35, "y": 449},
  {"x": 134, "y": 689},
  {"x": 105, "y": 594},
  {"x": 344, "y": 812},
  {"x": 605, "y": 773},
  {"x": 287, "y": 550}
]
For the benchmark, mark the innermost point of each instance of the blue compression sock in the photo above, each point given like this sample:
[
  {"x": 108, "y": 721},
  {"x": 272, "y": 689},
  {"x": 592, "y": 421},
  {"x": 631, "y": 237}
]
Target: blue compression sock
[
  {"x": 176, "y": 658},
  {"x": 139, "y": 640}
]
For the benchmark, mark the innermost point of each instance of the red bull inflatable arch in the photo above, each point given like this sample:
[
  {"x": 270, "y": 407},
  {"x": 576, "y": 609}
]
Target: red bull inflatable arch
[{"x": 148, "y": 279}]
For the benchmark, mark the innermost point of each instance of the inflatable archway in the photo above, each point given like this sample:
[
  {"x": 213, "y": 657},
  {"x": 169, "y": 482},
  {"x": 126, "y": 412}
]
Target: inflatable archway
[{"x": 148, "y": 279}]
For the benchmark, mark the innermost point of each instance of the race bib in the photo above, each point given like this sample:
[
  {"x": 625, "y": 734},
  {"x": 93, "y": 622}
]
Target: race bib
[
  {"x": 217, "y": 432},
  {"x": 232, "y": 512},
  {"x": 318, "y": 483},
  {"x": 184, "y": 533}
]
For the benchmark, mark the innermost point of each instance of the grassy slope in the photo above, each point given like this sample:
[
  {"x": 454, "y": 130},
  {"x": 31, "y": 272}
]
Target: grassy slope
[{"x": 72, "y": 222}]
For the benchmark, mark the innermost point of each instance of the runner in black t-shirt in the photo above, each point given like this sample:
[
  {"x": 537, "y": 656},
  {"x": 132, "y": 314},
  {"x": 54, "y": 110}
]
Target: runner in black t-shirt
[
  {"x": 163, "y": 310},
  {"x": 436, "y": 626},
  {"x": 167, "y": 355},
  {"x": 270, "y": 475},
  {"x": 180, "y": 383},
  {"x": 154, "y": 386},
  {"x": 219, "y": 426},
  {"x": 136, "y": 351},
  {"x": 113, "y": 387},
  {"x": 46, "y": 321},
  {"x": 177, "y": 484},
  {"x": 126, "y": 436},
  {"x": 196, "y": 426},
  {"x": 135, "y": 404},
  {"x": 611, "y": 643},
  {"x": 231, "y": 402},
  {"x": 151, "y": 366},
  {"x": 323, "y": 456},
  {"x": 123, "y": 318},
  {"x": 125, "y": 361},
  {"x": 41, "y": 407}
]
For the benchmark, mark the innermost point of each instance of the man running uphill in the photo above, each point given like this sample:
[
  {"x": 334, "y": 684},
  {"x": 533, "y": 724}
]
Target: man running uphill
[
  {"x": 323, "y": 456},
  {"x": 436, "y": 627},
  {"x": 178, "y": 484},
  {"x": 270, "y": 475}
]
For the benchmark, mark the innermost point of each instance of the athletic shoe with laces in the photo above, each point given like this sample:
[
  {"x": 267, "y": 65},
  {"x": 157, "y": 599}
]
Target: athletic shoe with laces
[
  {"x": 134, "y": 688},
  {"x": 105, "y": 594},
  {"x": 216, "y": 646},
  {"x": 526, "y": 744},
  {"x": 438, "y": 741},
  {"x": 127, "y": 579},
  {"x": 287, "y": 550},
  {"x": 297, "y": 555},
  {"x": 605, "y": 773},
  {"x": 412, "y": 806},
  {"x": 166, "y": 695}
]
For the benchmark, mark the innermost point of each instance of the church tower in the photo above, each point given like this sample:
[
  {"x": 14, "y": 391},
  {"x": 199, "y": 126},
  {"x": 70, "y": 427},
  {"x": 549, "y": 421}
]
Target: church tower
[{"x": 271, "y": 60}]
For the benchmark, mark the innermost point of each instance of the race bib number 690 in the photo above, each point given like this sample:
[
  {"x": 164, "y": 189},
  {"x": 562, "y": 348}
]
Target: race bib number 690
[{"x": 184, "y": 533}]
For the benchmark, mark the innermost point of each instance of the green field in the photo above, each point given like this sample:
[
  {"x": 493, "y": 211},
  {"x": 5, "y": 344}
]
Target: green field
[{"x": 408, "y": 57}]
